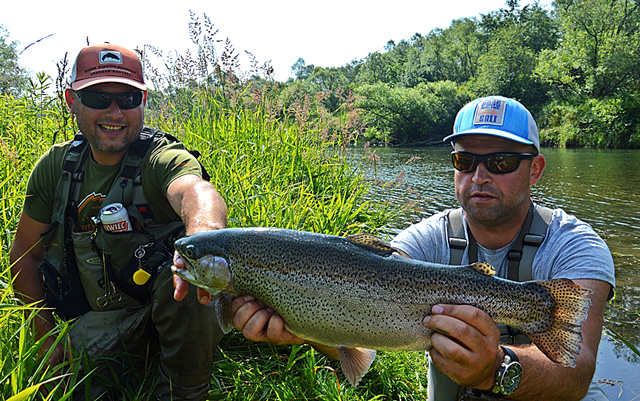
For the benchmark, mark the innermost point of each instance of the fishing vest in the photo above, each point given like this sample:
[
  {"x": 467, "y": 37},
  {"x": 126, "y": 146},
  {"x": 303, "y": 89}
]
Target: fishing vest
[
  {"x": 124, "y": 265},
  {"x": 520, "y": 256}
]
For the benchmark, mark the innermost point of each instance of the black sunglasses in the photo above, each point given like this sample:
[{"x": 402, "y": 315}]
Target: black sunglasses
[
  {"x": 101, "y": 100},
  {"x": 496, "y": 163}
]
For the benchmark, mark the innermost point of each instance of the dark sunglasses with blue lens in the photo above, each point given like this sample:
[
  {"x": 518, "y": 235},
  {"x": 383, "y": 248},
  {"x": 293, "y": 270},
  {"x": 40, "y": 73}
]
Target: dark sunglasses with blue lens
[
  {"x": 496, "y": 163},
  {"x": 102, "y": 100}
]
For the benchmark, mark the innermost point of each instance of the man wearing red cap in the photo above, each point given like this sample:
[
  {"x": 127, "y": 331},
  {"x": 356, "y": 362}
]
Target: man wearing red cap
[{"x": 99, "y": 221}]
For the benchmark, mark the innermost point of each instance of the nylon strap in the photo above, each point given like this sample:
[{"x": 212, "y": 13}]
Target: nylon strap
[
  {"x": 132, "y": 164},
  {"x": 456, "y": 237},
  {"x": 522, "y": 252},
  {"x": 72, "y": 174},
  {"x": 514, "y": 256}
]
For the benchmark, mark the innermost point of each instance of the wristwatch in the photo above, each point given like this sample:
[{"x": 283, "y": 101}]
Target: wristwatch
[{"x": 508, "y": 374}]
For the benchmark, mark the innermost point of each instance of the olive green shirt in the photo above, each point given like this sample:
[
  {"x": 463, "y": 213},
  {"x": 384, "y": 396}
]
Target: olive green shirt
[{"x": 165, "y": 162}]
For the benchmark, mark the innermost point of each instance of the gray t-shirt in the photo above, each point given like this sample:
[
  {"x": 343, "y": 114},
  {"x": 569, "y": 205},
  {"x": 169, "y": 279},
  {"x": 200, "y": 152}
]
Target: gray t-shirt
[{"x": 571, "y": 249}]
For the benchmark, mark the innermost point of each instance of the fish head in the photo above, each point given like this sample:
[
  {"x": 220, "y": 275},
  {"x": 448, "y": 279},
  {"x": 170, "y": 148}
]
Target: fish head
[{"x": 206, "y": 265}]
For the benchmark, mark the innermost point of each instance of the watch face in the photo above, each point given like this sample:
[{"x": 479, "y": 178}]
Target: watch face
[{"x": 511, "y": 378}]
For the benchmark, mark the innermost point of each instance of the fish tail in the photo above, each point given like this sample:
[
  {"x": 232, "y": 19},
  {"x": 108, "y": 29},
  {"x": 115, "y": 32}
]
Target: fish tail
[{"x": 562, "y": 341}]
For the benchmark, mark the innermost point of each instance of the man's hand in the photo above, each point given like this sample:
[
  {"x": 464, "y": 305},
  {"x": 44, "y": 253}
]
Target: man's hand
[
  {"x": 258, "y": 322},
  {"x": 465, "y": 345}
]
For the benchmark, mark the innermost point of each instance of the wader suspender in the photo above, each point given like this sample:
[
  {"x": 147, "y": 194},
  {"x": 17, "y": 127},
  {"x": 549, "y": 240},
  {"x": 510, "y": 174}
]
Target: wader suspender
[
  {"x": 520, "y": 255},
  {"x": 522, "y": 252},
  {"x": 129, "y": 177},
  {"x": 66, "y": 204}
]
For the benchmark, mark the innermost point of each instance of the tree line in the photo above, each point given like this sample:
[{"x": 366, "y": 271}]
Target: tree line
[{"x": 575, "y": 66}]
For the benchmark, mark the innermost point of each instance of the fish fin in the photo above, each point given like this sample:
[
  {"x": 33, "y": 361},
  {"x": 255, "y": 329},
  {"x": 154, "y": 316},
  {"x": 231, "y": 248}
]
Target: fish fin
[
  {"x": 562, "y": 341},
  {"x": 223, "y": 311},
  {"x": 356, "y": 362},
  {"x": 372, "y": 244},
  {"x": 484, "y": 268}
]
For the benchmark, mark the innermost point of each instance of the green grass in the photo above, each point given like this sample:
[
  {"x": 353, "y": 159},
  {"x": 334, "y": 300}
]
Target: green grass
[
  {"x": 272, "y": 171},
  {"x": 263, "y": 372}
]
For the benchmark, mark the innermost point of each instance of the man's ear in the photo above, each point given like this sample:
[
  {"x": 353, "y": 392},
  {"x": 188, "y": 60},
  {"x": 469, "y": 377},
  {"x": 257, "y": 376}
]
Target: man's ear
[
  {"x": 144, "y": 99},
  {"x": 70, "y": 98},
  {"x": 537, "y": 167}
]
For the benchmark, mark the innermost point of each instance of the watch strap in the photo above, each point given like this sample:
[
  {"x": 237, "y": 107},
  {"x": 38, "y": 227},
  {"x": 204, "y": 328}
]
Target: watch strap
[
  {"x": 510, "y": 358},
  {"x": 509, "y": 352}
]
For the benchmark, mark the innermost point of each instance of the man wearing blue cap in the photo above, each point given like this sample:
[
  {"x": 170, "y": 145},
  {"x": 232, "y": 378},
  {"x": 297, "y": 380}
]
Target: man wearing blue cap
[{"x": 497, "y": 159}]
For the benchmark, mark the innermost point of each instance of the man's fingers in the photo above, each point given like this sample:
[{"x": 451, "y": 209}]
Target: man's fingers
[
  {"x": 239, "y": 301},
  {"x": 204, "y": 297},
  {"x": 456, "y": 319},
  {"x": 275, "y": 329},
  {"x": 465, "y": 342},
  {"x": 260, "y": 323},
  {"x": 178, "y": 261},
  {"x": 255, "y": 329},
  {"x": 181, "y": 288},
  {"x": 243, "y": 311}
]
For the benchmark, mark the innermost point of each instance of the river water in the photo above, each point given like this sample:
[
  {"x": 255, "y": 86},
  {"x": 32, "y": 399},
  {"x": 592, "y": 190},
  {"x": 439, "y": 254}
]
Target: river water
[{"x": 601, "y": 187}]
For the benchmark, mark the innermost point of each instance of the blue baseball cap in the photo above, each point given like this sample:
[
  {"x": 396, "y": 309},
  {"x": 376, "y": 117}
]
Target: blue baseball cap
[{"x": 496, "y": 116}]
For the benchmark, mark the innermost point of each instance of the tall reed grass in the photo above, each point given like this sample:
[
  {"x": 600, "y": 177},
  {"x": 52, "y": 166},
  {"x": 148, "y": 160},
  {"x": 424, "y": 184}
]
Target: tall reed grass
[{"x": 272, "y": 171}]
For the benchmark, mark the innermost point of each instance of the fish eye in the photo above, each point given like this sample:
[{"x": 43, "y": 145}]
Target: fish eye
[{"x": 189, "y": 251}]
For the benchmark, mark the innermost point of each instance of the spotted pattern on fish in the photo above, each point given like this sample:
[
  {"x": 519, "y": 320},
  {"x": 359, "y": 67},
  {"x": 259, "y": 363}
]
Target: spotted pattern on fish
[{"x": 339, "y": 292}]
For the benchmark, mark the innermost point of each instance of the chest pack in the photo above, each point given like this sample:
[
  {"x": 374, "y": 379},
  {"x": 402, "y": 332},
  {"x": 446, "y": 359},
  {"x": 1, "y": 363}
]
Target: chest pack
[
  {"x": 520, "y": 256},
  {"x": 122, "y": 266}
]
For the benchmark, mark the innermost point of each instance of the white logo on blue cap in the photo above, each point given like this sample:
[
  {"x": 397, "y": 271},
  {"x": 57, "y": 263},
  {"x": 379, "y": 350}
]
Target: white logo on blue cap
[
  {"x": 110, "y": 57},
  {"x": 490, "y": 111}
]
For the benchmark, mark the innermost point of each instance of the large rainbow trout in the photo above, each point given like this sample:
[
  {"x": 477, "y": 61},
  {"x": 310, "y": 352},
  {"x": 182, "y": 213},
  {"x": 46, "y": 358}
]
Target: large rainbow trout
[{"x": 354, "y": 294}]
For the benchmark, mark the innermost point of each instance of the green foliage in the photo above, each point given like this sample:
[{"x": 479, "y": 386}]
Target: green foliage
[
  {"x": 507, "y": 68},
  {"x": 272, "y": 173},
  {"x": 536, "y": 26},
  {"x": 453, "y": 53},
  {"x": 494, "y": 55},
  {"x": 301, "y": 69},
  {"x": 599, "y": 54},
  {"x": 249, "y": 371},
  {"x": 600, "y": 123},
  {"x": 12, "y": 77},
  {"x": 578, "y": 52},
  {"x": 423, "y": 114}
]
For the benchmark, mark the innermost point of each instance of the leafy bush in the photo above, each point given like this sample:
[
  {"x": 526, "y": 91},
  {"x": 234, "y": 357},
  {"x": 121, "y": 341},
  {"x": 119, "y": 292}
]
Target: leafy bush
[
  {"x": 600, "y": 123},
  {"x": 420, "y": 115}
]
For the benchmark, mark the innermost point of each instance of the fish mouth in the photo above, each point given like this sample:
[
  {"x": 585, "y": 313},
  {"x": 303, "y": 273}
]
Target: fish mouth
[
  {"x": 184, "y": 273},
  {"x": 209, "y": 272}
]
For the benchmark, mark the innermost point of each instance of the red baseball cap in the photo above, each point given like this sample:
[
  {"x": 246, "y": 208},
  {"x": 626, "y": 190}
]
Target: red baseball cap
[{"x": 107, "y": 63}]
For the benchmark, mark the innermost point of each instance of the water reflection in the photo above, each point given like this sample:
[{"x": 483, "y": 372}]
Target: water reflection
[{"x": 601, "y": 187}]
